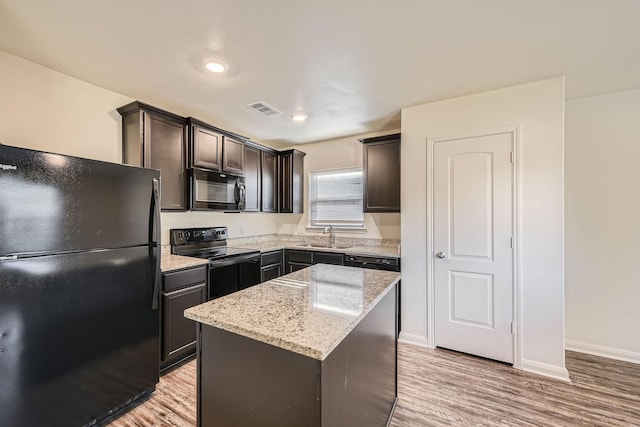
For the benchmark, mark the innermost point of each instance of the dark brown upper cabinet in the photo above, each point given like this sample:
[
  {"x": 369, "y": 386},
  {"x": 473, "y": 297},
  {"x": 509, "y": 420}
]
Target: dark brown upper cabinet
[
  {"x": 206, "y": 146},
  {"x": 291, "y": 181},
  {"x": 155, "y": 139},
  {"x": 214, "y": 149},
  {"x": 381, "y": 163},
  {"x": 269, "y": 181},
  {"x": 233, "y": 155},
  {"x": 252, "y": 178}
]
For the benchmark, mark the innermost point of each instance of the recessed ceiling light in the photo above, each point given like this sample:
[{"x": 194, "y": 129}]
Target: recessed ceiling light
[
  {"x": 299, "y": 116},
  {"x": 216, "y": 67}
]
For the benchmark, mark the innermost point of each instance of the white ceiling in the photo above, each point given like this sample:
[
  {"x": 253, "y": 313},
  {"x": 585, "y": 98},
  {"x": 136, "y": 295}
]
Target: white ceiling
[{"x": 350, "y": 64}]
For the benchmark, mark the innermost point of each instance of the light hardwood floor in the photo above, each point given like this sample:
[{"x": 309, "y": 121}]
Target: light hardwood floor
[{"x": 445, "y": 388}]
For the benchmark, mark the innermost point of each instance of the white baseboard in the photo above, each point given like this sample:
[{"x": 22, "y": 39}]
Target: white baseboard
[
  {"x": 543, "y": 369},
  {"x": 413, "y": 339},
  {"x": 598, "y": 350}
]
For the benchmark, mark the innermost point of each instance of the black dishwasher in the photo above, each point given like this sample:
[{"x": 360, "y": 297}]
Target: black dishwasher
[{"x": 373, "y": 262}]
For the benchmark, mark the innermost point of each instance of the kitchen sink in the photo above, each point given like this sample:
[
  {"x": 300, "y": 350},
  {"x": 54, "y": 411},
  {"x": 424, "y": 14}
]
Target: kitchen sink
[{"x": 322, "y": 246}]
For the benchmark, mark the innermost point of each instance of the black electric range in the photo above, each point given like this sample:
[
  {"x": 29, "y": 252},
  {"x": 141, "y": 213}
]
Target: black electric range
[{"x": 230, "y": 269}]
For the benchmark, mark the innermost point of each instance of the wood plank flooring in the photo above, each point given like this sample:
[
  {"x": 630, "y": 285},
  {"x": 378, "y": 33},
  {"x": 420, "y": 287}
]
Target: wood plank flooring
[{"x": 445, "y": 388}]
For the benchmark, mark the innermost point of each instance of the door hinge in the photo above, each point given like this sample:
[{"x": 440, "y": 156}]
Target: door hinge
[
  {"x": 513, "y": 328},
  {"x": 511, "y": 157},
  {"x": 511, "y": 242}
]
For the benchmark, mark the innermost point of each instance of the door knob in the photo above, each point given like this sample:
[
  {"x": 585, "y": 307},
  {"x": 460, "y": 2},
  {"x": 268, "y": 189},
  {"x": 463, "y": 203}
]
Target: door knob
[{"x": 440, "y": 255}]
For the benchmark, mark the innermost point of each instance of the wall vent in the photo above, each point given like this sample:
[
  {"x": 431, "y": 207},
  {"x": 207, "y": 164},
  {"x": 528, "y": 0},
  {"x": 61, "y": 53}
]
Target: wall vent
[{"x": 263, "y": 108}]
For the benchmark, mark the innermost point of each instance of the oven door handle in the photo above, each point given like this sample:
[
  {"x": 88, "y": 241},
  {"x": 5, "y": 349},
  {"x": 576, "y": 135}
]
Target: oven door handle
[{"x": 234, "y": 260}]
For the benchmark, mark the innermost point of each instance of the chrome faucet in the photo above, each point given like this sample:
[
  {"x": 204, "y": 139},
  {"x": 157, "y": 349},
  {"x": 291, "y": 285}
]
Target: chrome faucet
[{"x": 332, "y": 236}]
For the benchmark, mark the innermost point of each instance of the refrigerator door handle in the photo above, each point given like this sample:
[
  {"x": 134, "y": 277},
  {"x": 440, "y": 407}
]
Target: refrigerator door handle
[{"x": 154, "y": 229}]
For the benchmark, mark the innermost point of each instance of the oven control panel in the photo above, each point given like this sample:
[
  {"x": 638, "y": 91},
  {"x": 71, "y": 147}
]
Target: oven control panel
[{"x": 183, "y": 236}]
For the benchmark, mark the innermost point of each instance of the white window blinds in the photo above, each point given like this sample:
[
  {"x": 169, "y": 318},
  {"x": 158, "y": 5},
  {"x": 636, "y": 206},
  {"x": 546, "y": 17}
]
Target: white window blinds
[{"x": 335, "y": 198}]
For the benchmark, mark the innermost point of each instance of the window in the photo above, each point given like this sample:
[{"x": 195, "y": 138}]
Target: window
[{"x": 335, "y": 198}]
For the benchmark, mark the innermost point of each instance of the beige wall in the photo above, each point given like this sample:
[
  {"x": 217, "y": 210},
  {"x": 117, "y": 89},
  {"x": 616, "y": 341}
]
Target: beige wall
[
  {"x": 537, "y": 109},
  {"x": 46, "y": 110},
  {"x": 336, "y": 154},
  {"x": 603, "y": 225}
]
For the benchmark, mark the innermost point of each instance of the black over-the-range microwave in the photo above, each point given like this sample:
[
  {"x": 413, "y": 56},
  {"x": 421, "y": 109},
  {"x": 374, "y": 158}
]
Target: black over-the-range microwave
[{"x": 216, "y": 191}]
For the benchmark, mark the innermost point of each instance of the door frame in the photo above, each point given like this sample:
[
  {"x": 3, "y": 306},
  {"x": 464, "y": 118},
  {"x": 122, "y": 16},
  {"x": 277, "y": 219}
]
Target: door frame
[{"x": 515, "y": 212}]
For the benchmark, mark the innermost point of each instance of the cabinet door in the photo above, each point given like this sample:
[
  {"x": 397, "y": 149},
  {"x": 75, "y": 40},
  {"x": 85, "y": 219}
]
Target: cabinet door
[
  {"x": 269, "y": 182},
  {"x": 271, "y": 272},
  {"x": 382, "y": 175},
  {"x": 328, "y": 258},
  {"x": 178, "y": 332},
  {"x": 295, "y": 266},
  {"x": 233, "y": 156},
  {"x": 286, "y": 172},
  {"x": 164, "y": 147},
  {"x": 297, "y": 179},
  {"x": 206, "y": 148},
  {"x": 291, "y": 181},
  {"x": 252, "y": 177}
]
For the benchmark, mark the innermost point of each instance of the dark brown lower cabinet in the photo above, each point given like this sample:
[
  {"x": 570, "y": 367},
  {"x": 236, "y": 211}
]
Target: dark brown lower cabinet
[
  {"x": 271, "y": 265},
  {"x": 271, "y": 272},
  {"x": 182, "y": 290},
  {"x": 299, "y": 259}
]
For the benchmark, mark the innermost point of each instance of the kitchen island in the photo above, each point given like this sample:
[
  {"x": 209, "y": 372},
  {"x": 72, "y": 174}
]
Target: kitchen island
[{"x": 317, "y": 348}]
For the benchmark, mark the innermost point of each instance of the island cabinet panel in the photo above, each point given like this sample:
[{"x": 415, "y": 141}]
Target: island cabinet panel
[
  {"x": 367, "y": 358},
  {"x": 245, "y": 382}
]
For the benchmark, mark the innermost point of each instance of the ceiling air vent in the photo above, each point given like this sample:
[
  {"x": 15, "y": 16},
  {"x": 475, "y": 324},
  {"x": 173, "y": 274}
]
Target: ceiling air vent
[{"x": 263, "y": 108}]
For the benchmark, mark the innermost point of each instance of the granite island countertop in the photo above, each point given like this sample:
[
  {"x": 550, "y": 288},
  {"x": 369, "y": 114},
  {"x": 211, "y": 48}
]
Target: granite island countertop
[{"x": 308, "y": 312}]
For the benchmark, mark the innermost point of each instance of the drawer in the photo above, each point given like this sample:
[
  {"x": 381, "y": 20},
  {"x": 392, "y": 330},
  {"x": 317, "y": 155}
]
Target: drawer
[
  {"x": 328, "y": 258},
  {"x": 270, "y": 258},
  {"x": 183, "y": 278},
  {"x": 300, "y": 256},
  {"x": 270, "y": 272}
]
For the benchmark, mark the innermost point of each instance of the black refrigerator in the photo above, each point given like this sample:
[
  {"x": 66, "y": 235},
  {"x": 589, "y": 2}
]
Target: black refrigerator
[{"x": 79, "y": 278}]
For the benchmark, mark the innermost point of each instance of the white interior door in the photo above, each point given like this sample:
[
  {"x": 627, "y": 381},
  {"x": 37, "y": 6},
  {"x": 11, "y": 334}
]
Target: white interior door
[{"x": 473, "y": 255}]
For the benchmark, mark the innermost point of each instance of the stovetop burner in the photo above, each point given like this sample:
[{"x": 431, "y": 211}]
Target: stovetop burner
[
  {"x": 207, "y": 243},
  {"x": 222, "y": 252}
]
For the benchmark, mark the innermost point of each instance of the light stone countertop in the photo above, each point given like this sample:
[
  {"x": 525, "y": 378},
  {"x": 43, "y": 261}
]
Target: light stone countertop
[
  {"x": 309, "y": 311},
  {"x": 274, "y": 245},
  {"x": 169, "y": 262}
]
